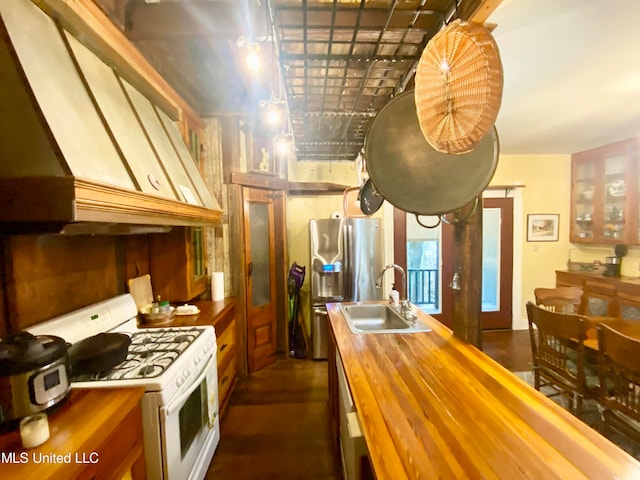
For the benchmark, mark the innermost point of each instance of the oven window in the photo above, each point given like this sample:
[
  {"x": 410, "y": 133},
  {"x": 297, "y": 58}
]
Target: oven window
[{"x": 193, "y": 415}]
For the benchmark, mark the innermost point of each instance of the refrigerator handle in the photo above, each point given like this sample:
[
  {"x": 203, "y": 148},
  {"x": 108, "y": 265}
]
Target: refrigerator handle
[{"x": 348, "y": 287}]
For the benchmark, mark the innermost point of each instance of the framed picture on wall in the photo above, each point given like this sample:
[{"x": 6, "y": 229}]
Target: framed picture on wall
[{"x": 542, "y": 227}]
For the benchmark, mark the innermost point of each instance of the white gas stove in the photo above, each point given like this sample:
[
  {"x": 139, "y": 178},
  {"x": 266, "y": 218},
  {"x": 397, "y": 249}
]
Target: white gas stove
[{"x": 177, "y": 368}]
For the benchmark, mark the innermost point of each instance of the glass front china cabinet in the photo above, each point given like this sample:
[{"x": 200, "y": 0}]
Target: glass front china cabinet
[{"x": 604, "y": 194}]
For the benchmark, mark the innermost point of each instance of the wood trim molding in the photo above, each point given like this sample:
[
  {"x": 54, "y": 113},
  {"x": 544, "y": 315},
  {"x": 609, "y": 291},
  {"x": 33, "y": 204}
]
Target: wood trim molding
[
  {"x": 70, "y": 199},
  {"x": 258, "y": 180},
  {"x": 261, "y": 180},
  {"x": 484, "y": 10},
  {"x": 315, "y": 188}
]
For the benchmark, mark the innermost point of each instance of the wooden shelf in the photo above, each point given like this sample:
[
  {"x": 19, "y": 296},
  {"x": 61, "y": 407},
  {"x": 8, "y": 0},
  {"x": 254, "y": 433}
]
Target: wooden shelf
[
  {"x": 264, "y": 180},
  {"x": 315, "y": 188}
]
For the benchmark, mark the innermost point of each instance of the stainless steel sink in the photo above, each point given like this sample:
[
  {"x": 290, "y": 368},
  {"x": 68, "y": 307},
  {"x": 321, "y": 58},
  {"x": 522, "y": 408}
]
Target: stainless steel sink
[{"x": 377, "y": 318}]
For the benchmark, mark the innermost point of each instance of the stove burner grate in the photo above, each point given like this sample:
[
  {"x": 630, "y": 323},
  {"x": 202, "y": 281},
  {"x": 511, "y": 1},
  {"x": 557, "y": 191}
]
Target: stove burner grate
[{"x": 151, "y": 352}]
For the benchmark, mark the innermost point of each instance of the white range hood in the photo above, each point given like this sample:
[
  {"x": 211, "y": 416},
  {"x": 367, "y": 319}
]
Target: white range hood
[{"x": 78, "y": 143}]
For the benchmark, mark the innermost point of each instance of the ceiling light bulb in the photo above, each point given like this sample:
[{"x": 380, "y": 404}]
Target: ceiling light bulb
[
  {"x": 283, "y": 145},
  {"x": 273, "y": 116},
  {"x": 253, "y": 61}
]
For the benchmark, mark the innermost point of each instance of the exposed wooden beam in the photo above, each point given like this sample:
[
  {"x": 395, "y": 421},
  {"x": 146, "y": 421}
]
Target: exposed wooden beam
[
  {"x": 484, "y": 10},
  {"x": 467, "y": 286},
  {"x": 147, "y": 21}
]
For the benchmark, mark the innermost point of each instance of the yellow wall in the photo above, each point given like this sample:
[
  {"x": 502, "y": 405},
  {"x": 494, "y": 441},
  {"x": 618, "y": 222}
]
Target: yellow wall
[{"x": 547, "y": 189}]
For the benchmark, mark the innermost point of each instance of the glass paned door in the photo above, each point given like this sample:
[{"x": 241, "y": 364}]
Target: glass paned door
[
  {"x": 491, "y": 259},
  {"x": 614, "y": 198},
  {"x": 583, "y": 201},
  {"x": 428, "y": 257},
  {"x": 259, "y": 233},
  {"x": 260, "y": 246}
]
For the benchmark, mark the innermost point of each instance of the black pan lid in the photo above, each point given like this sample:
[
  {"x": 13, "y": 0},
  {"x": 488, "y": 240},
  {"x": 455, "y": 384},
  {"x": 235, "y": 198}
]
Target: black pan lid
[{"x": 22, "y": 352}]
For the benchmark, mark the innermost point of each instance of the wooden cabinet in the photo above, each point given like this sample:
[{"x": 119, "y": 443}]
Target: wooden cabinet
[
  {"x": 604, "y": 194},
  {"x": 598, "y": 298},
  {"x": 97, "y": 433},
  {"x": 225, "y": 327},
  {"x": 604, "y": 296},
  {"x": 177, "y": 261}
]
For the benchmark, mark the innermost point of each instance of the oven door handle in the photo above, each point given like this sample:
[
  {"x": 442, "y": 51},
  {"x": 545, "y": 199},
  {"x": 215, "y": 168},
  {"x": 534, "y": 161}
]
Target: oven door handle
[{"x": 177, "y": 402}]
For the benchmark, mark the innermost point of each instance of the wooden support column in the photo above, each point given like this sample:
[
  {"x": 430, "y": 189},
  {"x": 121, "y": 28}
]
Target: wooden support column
[{"x": 467, "y": 263}]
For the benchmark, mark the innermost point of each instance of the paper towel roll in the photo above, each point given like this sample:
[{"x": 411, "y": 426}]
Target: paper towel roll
[{"x": 217, "y": 286}]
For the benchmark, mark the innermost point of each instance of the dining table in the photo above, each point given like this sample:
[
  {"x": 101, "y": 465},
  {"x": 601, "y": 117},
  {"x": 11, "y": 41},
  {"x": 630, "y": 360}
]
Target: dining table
[{"x": 630, "y": 328}]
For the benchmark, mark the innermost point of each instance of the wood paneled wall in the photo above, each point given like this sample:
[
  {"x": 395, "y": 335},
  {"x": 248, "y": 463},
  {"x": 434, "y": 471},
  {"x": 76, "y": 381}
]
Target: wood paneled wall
[{"x": 48, "y": 275}]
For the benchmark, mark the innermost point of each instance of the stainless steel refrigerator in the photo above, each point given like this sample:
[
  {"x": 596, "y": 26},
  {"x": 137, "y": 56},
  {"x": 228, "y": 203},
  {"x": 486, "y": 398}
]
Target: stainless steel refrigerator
[{"x": 346, "y": 258}]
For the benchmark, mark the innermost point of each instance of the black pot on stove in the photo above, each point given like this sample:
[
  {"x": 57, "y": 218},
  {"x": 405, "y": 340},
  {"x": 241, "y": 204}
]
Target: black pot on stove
[{"x": 34, "y": 374}]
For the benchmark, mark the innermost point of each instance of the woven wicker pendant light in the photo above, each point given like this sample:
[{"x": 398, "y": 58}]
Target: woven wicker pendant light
[{"x": 458, "y": 87}]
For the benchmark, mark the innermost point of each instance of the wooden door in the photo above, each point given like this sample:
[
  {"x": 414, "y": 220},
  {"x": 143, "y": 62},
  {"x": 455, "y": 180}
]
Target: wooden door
[
  {"x": 497, "y": 294},
  {"x": 430, "y": 286},
  {"x": 260, "y": 274}
]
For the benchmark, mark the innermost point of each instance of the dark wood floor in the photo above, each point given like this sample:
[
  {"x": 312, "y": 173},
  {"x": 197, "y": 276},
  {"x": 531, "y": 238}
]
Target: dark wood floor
[
  {"x": 276, "y": 425},
  {"x": 510, "y": 348}
]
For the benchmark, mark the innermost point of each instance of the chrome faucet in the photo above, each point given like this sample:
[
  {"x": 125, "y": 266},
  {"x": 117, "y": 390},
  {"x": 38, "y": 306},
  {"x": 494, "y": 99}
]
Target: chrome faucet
[{"x": 405, "y": 308}]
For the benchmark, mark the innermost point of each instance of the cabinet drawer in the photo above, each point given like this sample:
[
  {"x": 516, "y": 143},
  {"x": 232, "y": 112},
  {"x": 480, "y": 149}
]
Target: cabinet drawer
[
  {"x": 603, "y": 287},
  {"x": 225, "y": 380},
  {"x": 567, "y": 279},
  {"x": 226, "y": 345},
  {"x": 628, "y": 291}
]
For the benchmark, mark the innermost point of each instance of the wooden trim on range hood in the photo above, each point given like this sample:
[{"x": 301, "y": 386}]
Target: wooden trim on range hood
[{"x": 49, "y": 203}]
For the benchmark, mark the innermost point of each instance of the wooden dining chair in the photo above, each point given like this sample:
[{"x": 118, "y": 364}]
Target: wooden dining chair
[
  {"x": 559, "y": 299},
  {"x": 619, "y": 369},
  {"x": 558, "y": 354}
]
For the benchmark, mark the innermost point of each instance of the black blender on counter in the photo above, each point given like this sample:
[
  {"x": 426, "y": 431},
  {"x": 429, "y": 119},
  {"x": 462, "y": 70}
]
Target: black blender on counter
[{"x": 613, "y": 263}]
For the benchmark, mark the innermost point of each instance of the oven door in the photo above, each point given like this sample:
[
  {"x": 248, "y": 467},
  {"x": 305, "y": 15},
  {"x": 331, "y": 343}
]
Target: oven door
[{"x": 190, "y": 426}]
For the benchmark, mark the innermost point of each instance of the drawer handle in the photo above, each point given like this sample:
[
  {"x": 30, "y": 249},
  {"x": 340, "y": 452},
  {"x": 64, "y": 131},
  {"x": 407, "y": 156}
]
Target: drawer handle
[
  {"x": 224, "y": 380},
  {"x": 224, "y": 345}
]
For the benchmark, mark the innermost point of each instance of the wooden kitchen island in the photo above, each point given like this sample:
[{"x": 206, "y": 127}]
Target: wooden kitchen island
[{"x": 432, "y": 406}]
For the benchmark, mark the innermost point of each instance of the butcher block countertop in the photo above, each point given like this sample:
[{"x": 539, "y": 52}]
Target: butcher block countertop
[
  {"x": 95, "y": 433},
  {"x": 432, "y": 406}
]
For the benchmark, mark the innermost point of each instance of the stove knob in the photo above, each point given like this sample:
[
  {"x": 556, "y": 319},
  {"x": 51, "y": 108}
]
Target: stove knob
[
  {"x": 196, "y": 359},
  {"x": 179, "y": 381}
]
